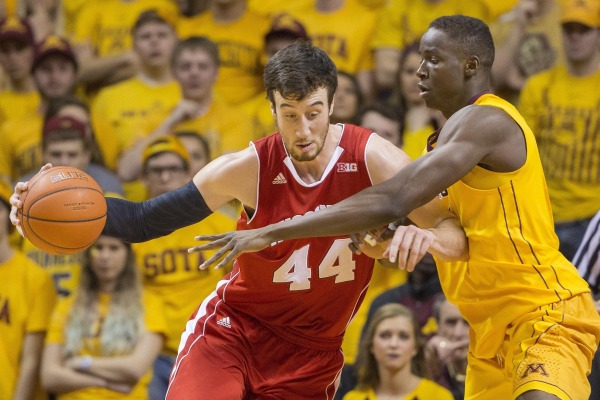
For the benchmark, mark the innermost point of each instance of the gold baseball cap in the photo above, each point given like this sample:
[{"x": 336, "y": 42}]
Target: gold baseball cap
[
  {"x": 585, "y": 12},
  {"x": 165, "y": 144}
]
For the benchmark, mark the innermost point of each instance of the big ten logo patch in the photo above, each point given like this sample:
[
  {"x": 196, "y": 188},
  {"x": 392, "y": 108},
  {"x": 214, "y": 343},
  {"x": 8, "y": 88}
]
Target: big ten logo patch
[
  {"x": 535, "y": 368},
  {"x": 347, "y": 167},
  {"x": 4, "y": 311},
  {"x": 170, "y": 261}
]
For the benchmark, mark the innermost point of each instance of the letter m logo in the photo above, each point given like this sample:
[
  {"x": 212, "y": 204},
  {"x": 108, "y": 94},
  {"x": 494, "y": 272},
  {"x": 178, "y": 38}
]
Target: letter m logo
[{"x": 536, "y": 368}]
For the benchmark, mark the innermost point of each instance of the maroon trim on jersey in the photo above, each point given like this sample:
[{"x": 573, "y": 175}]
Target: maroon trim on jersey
[
  {"x": 473, "y": 99},
  {"x": 433, "y": 138}
]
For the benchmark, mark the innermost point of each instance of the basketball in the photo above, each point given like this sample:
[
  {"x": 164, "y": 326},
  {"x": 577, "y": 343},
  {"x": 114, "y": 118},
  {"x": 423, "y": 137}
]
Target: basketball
[{"x": 64, "y": 210}]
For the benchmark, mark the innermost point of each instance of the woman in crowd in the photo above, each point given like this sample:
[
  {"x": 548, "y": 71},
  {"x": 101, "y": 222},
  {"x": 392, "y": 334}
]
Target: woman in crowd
[
  {"x": 391, "y": 360},
  {"x": 104, "y": 339},
  {"x": 347, "y": 100}
]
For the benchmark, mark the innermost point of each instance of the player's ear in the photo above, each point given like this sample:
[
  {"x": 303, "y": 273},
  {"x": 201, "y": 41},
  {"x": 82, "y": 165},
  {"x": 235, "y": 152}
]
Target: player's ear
[
  {"x": 331, "y": 107},
  {"x": 273, "y": 109},
  {"x": 471, "y": 65}
]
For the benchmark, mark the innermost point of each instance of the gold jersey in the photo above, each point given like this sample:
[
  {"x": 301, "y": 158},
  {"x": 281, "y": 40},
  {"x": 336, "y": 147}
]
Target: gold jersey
[{"x": 515, "y": 266}]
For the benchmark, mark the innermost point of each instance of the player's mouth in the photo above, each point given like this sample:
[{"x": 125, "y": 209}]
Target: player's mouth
[
  {"x": 423, "y": 89},
  {"x": 304, "y": 147}
]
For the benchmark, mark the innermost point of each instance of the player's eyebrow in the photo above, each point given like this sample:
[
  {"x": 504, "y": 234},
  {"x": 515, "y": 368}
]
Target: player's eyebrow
[{"x": 315, "y": 103}]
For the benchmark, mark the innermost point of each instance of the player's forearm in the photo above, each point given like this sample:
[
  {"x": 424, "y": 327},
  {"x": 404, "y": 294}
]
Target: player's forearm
[
  {"x": 369, "y": 209},
  {"x": 139, "y": 222},
  {"x": 451, "y": 244}
]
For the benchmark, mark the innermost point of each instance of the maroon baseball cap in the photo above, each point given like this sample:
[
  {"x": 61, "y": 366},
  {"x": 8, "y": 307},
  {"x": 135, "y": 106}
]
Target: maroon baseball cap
[
  {"x": 53, "y": 45},
  {"x": 60, "y": 123},
  {"x": 286, "y": 25},
  {"x": 15, "y": 28}
]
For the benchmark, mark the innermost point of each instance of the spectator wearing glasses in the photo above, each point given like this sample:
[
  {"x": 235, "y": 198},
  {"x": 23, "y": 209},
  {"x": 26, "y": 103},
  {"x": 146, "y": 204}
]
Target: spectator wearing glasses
[{"x": 167, "y": 269}]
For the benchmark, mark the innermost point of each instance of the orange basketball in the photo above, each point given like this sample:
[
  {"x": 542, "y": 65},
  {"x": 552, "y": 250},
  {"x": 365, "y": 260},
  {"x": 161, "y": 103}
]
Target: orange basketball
[{"x": 64, "y": 210}]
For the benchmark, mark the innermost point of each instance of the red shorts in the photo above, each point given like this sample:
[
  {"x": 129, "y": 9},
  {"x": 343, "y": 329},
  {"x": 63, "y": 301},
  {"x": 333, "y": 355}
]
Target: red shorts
[{"x": 225, "y": 354}]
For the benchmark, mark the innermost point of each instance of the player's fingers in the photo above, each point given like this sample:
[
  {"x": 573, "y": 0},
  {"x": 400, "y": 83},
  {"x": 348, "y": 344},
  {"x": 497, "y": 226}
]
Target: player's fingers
[
  {"x": 214, "y": 242},
  {"x": 210, "y": 238},
  {"x": 15, "y": 198},
  {"x": 214, "y": 258},
  {"x": 229, "y": 258},
  {"x": 417, "y": 251},
  {"x": 45, "y": 167},
  {"x": 356, "y": 239},
  {"x": 354, "y": 248},
  {"x": 404, "y": 249},
  {"x": 394, "y": 246}
]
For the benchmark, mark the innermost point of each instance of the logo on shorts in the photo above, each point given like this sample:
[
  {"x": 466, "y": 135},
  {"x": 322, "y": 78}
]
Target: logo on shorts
[
  {"x": 224, "y": 322},
  {"x": 537, "y": 368}
]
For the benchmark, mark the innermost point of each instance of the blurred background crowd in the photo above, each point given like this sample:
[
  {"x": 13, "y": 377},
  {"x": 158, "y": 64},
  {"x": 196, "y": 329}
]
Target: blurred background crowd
[{"x": 142, "y": 94}]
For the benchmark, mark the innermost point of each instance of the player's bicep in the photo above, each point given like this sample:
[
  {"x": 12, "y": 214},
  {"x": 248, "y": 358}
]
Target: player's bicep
[
  {"x": 430, "y": 214},
  {"x": 230, "y": 176},
  {"x": 384, "y": 159}
]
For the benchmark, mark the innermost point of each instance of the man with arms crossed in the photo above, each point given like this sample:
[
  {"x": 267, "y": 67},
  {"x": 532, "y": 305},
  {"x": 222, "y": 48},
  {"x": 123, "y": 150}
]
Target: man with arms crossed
[
  {"x": 274, "y": 326},
  {"x": 533, "y": 323}
]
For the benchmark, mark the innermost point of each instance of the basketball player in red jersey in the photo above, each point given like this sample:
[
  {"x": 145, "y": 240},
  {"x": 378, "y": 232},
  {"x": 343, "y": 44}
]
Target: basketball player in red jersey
[{"x": 273, "y": 327}]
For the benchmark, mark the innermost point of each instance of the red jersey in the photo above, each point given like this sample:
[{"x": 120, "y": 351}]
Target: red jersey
[{"x": 305, "y": 290}]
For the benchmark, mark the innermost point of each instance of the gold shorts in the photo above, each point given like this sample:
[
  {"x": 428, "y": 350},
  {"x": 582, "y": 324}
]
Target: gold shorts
[{"x": 550, "y": 349}]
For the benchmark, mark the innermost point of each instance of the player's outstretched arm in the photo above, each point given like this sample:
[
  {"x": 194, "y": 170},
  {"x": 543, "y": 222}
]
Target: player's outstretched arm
[
  {"x": 225, "y": 178},
  {"x": 471, "y": 136},
  {"x": 222, "y": 180}
]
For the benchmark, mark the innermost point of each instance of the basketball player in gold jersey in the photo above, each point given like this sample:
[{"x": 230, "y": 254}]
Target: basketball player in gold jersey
[{"x": 534, "y": 329}]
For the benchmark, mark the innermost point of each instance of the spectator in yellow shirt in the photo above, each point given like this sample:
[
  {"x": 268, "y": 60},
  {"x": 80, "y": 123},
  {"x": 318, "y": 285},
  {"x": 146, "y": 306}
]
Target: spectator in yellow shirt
[
  {"x": 195, "y": 65},
  {"x": 54, "y": 70},
  {"x": 16, "y": 57},
  {"x": 105, "y": 338},
  {"x": 26, "y": 301}
]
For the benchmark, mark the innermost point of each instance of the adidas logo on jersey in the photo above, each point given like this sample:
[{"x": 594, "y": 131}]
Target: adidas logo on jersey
[
  {"x": 279, "y": 179},
  {"x": 224, "y": 322}
]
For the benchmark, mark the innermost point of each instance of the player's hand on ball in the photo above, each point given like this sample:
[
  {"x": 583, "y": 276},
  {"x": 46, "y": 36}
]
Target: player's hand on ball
[
  {"x": 15, "y": 201},
  {"x": 369, "y": 243},
  {"x": 231, "y": 245},
  {"x": 408, "y": 246}
]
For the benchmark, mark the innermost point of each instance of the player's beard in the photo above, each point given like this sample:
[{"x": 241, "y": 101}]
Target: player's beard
[{"x": 318, "y": 142}]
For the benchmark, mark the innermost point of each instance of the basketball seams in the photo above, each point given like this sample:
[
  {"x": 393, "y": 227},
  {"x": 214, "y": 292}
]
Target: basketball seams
[
  {"x": 62, "y": 190},
  {"x": 50, "y": 202}
]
